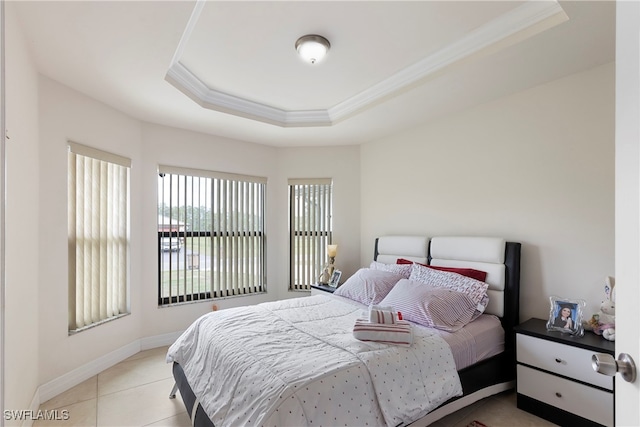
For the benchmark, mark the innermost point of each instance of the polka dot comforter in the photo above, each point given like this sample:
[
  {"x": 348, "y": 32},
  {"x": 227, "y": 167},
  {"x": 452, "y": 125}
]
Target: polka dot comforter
[{"x": 296, "y": 362}]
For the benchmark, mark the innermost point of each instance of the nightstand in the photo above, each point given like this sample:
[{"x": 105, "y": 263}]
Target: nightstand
[
  {"x": 319, "y": 289},
  {"x": 555, "y": 377}
]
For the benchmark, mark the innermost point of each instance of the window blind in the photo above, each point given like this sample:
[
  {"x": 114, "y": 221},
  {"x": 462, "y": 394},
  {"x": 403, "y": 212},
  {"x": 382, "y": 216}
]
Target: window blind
[
  {"x": 98, "y": 234},
  {"x": 219, "y": 221},
  {"x": 310, "y": 225}
]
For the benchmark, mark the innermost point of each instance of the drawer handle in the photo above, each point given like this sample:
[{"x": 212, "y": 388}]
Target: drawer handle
[
  {"x": 559, "y": 395},
  {"x": 558, "y": 360}
]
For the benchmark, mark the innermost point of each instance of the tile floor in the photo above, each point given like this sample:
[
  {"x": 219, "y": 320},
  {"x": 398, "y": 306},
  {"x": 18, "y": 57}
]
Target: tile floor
[{"x": 135, "y": 393}]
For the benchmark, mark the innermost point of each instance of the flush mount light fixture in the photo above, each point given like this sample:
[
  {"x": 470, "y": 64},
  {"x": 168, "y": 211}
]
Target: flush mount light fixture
[{"x": 312, "y": 47}]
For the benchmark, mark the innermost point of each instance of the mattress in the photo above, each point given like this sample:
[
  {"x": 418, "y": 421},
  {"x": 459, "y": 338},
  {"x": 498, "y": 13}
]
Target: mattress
[{"x": 479, "y": 340}]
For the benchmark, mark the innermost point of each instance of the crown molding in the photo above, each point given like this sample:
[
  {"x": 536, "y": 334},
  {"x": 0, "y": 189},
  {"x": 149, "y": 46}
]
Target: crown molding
[
  {"x": 520, "y": 23},
  {"x": 510, "y": 25},
  {"x": 188, "y": 83}
]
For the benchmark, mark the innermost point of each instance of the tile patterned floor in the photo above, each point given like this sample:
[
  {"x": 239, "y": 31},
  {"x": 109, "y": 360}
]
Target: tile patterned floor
[{"x": 135, "y": 393}]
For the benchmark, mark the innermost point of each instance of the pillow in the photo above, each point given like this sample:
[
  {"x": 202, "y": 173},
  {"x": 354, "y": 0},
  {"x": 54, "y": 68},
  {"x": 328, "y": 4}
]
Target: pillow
[
  {"x": 404, "y": 270},
  {"x": 474, "y": 289},
  {"x": 368, "y": 286},
  {"x": 439, "y": 308},
  {"x": 469, "y": 272}
]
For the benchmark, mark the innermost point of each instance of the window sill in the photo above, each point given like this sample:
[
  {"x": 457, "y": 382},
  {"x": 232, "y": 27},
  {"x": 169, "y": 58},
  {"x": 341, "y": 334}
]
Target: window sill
[{"x": 93, "y": 325}]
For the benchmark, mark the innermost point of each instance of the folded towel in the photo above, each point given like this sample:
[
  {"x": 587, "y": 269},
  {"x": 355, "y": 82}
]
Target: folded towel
[
  {"x": 398, "y": 333},
  {"x": 379, "y": 314}
]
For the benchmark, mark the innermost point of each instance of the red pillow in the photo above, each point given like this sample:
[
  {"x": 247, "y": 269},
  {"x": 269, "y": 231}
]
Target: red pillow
[
  {"x": 408, "y": 261},
  {"x": 468, "y": 272}
]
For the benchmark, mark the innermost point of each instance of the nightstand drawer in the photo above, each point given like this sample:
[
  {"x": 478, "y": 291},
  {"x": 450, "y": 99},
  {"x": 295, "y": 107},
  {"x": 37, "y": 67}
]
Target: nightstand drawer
[
  {"x": 571, "y": 362},
  {"x": 587, "y": 402}
]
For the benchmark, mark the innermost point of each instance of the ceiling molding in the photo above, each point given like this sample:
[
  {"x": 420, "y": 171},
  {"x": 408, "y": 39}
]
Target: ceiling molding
[
  {"x": 189, "y": 84},
  {"x": 522, "y": 22}
]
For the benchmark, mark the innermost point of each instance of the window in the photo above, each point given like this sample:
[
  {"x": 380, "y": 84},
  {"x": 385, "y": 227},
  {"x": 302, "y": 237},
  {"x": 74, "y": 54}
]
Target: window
[
  {"x": 310, "y": 228},
  {"x": 211, "y": 241},
  {"x": 98, "y": 228}
]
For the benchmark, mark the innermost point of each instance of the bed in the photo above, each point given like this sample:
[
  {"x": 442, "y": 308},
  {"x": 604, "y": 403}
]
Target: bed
[{"x": 325, "y": 380}]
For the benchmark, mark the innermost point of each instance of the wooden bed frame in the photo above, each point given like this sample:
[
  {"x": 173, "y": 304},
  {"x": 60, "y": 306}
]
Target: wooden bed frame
[{"x": 483, "y": 379}]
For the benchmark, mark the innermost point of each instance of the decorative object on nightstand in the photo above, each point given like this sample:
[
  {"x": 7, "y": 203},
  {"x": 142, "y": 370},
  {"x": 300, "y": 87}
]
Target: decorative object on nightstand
[
  {"x": 556, "y": 379},
  {"x": 566, "y": 315},
  {"x": 327, "y": 272},
  {"x": 335, "y": 279},
  {"x": 604, "y": 322}
]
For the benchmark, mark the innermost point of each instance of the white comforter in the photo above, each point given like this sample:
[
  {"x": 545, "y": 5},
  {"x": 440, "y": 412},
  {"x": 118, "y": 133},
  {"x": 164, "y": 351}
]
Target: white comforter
[{"x": 295, "y": 362}]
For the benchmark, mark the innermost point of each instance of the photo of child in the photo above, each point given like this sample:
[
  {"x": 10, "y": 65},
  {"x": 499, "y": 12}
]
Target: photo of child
[{"x": 565, "y": 317}]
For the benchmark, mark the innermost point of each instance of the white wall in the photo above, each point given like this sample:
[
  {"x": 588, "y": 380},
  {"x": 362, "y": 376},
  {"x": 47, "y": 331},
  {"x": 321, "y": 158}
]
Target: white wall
[
  {"x": 68, "y": 115},
  {"x": 342, "y": 164},
  {"x": 536, "y": 167},
  {"x": 22, "y": 229},
  {"x": 175, "y": 147}
]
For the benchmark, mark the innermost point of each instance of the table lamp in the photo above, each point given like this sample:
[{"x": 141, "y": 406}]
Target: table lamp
[{"x": 325, "y": 277}]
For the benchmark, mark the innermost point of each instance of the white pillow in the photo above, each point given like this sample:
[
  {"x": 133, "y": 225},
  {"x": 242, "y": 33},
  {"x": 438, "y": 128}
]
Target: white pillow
[
  {"x": 439, "y": 308},
  {"x": 473, "y": 288},
  {"x": 368, "y": 286},
  {"x": 403, "y": 269}
]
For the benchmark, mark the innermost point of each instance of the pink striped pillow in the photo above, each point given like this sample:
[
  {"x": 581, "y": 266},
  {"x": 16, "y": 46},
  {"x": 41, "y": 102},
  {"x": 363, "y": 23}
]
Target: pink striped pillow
[
  {"x": 368, "y": 286},
  {"x": 404, "y": 269},
  {"x": 439, "y": 308},
  {"x": 474, "y": 289}
]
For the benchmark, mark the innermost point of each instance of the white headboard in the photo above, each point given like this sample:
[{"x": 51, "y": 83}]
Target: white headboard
[
  {"x": 499, "y": 258},
  {"x": 479, "y": 253},
  {"x": 390, "y": 248}
]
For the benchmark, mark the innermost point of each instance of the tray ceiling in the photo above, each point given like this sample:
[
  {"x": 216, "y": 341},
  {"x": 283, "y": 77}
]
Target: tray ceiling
[{"x": 231, "y": 69}]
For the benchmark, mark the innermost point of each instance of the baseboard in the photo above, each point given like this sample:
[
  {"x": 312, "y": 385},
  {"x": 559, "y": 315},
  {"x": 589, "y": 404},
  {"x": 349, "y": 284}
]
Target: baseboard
[
  {"x": 35, "y": 405},
  {"x": 71, "y": 379},
  {"x": 158, "y": 340}
]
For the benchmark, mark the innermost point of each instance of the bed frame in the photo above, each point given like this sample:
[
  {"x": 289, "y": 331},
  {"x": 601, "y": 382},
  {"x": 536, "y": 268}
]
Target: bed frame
[{"x": 483, "y": 379}]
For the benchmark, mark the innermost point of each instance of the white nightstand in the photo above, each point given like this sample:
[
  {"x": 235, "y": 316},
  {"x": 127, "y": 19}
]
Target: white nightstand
[{"x": 555, "y": 377}]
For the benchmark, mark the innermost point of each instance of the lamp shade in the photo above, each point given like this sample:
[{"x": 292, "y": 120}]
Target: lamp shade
[
  {"x": 312, "y": 48},
  {"x": 332, "y": 250}
]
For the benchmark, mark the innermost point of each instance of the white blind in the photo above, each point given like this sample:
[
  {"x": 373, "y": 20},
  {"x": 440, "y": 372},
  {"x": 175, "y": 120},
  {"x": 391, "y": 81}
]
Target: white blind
[
  {"x": 310, "y": 229},
  {"x": 220, "y": 219},
  {"x": 98, "y": 229}
]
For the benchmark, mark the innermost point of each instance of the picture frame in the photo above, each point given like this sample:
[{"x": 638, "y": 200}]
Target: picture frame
[
  {"x": 335, "y": 278},
  {"x": 565, "y": 315}
]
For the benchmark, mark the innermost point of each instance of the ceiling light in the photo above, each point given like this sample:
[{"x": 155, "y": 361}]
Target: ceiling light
[{"x": 312, "y": 47}]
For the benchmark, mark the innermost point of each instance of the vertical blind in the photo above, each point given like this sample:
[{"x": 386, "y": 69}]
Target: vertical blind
[
  {"x": 310, "y": 225},
  {"x": 98, "y": 230},
  {"x": 220, "y": 219}
]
